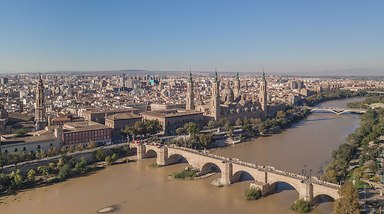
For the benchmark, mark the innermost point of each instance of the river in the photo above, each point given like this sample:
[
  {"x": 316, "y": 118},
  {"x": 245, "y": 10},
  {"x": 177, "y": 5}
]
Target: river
[{"x": 138, "y": 188}]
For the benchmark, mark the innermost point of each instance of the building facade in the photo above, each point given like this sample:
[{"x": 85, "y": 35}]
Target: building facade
[
  {"x": 233, "y": 104},
  {"x": 85, "y": 132},
  {"x": 173, "y": 119},
  {"x": 121, "y": 120}
]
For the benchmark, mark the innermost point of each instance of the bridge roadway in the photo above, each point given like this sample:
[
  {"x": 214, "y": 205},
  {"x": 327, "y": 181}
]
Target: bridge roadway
[
  {"x": 265, "y": 177},
  {"x": 337, "y": 111}
]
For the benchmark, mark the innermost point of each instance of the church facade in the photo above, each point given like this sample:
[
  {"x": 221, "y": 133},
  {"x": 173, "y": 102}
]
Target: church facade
[{"x": 229, "y": 103}]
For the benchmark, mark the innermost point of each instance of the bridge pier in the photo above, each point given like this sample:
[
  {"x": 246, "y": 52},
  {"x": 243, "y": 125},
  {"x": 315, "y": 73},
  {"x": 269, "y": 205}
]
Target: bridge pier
[
  {"x": 140, "y": 149},
  {"x": 307, "y": 193},
  {"x": 265, "y": 188},
  {"x": 162, "y": 156},
  {"x": 226, "y": 173}
]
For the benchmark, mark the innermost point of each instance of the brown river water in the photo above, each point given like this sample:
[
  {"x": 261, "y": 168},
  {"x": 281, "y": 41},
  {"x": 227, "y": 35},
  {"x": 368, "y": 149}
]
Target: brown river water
[{"x": 138, "y": 188}]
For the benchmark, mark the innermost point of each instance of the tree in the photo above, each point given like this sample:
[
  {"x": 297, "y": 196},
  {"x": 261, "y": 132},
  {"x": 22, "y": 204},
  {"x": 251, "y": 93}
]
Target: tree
[
  {"x": 44, "y": 170},
  {"x": 81, "y": 166},
  {"x": 227, "y": 126},
  {"x": 52, "y": 167},
  {"x": 92, "y": 145},
  {"x": 52, "y": 151},
  {"x": 205, "y": 140},
  {"x": 223, "y": 121},
  {"x": 280, "y": 115},
  {"x": 99, "y": 155},
  {"x": 181, "y": 131},
  {"x": 108, "y": 160},
  {"x": 64, "y": 150},
  {"x": 5, "y": 180},
  {"x": 301, "y": 206},
  {"x": 16, "y": 179},
  {"x": 61, "y": 162},
  {"x": 192, "y": 128},
  {"x": 139, "y": 128},
  {"x": 239, "y": 122},
  {"x": 63, "y": 172},
  {"x": 71, "y": 149},
  {"x": 113, "y": 158},
  {"x": 31, "y": 175},
  {"x": 129, "y": 130},
  {"x": 212, "y": 124},
  {"x": 348, "y": 203},
  {"x": 252, "y": 194},
  {"x": 3, "y": 161},
  {"x": 230, "y": 132},
  {"x": 79, "y": 147},
  {"x": 153, "y": 126}
]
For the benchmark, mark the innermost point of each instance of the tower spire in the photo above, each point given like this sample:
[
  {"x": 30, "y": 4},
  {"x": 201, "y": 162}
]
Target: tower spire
[{"x": 190, "y": 98}]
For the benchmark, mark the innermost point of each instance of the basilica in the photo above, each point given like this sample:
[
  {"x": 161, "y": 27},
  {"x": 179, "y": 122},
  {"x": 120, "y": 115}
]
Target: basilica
[{"x": 229, "y": 103}]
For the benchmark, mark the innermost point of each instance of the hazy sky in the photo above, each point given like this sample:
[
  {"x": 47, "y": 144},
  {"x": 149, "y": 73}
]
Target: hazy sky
[{"x": 285, "y": 35}]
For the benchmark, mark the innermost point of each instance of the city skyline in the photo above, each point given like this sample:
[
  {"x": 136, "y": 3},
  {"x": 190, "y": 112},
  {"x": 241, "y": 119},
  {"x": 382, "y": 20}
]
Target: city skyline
[{"x": 240, "y": 37}]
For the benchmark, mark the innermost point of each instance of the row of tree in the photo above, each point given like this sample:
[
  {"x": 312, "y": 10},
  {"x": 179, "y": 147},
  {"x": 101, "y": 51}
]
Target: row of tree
[
  {"x": 368, "y": 101},
  {"x": 282, "y": 119},
  {"x": 332, "y": 94},
  {"x": 371, "y": 128},
  {"x": 53, "y": 172},
  {"x": 17, "y": 157},
  {"x": 143, "y": 127}
]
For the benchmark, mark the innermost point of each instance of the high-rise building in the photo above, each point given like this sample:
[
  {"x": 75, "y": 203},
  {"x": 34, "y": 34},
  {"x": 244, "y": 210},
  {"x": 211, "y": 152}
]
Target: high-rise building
[{"x": 40, "y": 120}]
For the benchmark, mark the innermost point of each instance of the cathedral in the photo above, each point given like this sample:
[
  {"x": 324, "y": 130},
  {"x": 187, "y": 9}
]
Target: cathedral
[{"x": 229, "y": 103}]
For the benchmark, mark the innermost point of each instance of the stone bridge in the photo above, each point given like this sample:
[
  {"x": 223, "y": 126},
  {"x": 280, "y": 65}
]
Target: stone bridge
[
  {"x": 337, "y": 111},
  {"x": 265, "y": 177}
]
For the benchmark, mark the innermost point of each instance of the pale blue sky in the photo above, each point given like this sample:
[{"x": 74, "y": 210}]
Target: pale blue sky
[{"x": 285, "y": 35}]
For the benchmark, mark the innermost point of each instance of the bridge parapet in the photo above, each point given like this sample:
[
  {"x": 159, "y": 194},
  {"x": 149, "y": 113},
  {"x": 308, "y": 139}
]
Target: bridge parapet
[{"x": 308, "y": 187}]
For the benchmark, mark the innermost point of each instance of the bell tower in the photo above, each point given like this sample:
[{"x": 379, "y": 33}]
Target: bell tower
[
  {"x": 263, "y": 94},
  {"x": 40, "y": 120},
  {"x": 215, "y": 100},
  {"x": 190, "y": 96},
  {"x": 236, "y": 90}
]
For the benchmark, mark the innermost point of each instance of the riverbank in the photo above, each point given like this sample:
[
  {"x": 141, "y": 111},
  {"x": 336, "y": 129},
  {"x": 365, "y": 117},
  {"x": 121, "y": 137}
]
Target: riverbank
[
  {"x": 360, "y": 159},
  {"x": 58, "y": 170}
]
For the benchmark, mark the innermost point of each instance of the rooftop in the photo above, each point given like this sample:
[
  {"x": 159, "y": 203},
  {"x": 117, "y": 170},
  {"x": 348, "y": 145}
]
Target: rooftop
[
  {"x": 123, "y": 116},
  {"x": 171, "y": 113},
  {"x": 28, "y": 138},
  {"x": 83, "y": 126},
  {"x": 95, "y": 111}
]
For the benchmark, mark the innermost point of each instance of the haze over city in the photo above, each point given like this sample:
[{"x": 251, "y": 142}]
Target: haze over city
[{"x": 310, "y": 37}]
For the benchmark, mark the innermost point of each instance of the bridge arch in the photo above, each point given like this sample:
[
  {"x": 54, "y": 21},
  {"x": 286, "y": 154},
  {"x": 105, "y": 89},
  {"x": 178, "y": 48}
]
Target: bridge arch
[
  {"x": 322, "y": 198},
  {"x": 177, "y": 158},
  {"x": 150, "y": 153},
  {"x": 210, "y": 167},
  {"x": 280, "y": 186},
  {"x": 241, "y": 175}
]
